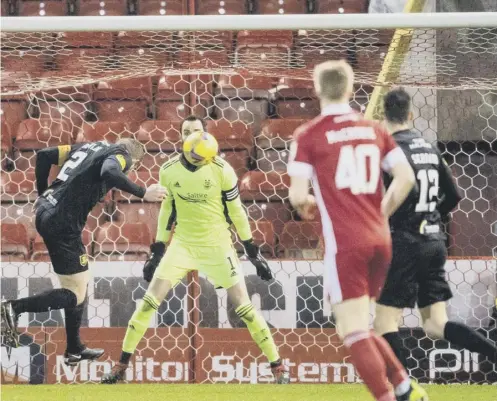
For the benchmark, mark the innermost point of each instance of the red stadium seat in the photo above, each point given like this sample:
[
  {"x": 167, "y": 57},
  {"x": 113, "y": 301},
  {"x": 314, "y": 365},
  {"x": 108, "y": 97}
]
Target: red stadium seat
[
  {"x": 171, "y": 110},
  {"x": 272, "y": 160},
  {"x": 85, "y": 39},
  {"x": 221, "y": 7},
  {"x": 257, "y": 185},
  {"x": 281, "y": 7},
  {"x": 43, "y": 132},
  {"x": 109, "y": 131},
  {"x": 6, "y": 8},
  {"x": 264, "y": 236},
  {"x": 231, "y": 135},
  {"x": 297, "y": 108},
  {"x": 238, "y": 160},
  {"x": 18, "y": 186},
  {"x": 291, "y": 88},
  {"x": 173, "y": 87},
  {"x": 15, "y": 242},
  {"x": 6, "y": 146},
  {"x": 302, "y": 239},
  {"x": 14, "y": 213},
  {"x": 143, "y": 178},
  {"x": 78, "y": 62},
  {"x": 132, "y": 52},
  {"x": 158, "y": 135},
  {"x": 122, "y": 242},
  {"x": 245, "y": 87},
  {"x": 206, "y": 57},
  {"x": 28, "y": 61},
  {"x": 131, "y": 88},
  {"x": 341, "y": 7},
  {"x": 276, "y": 212},
  {"x": 269, "y": 47},
  {"x": 278, "y": 133},
  {"x": 132, "y": 112},
  {"x": 74, "y": 112},
  {"x": 161, "y": 7},
  {"x": 138, "y": 213},
  {"x": 102, "y": 8},
  {"x": 52, "y": 8},
  {"x": 370, "y": 58},
  {"x": 12, "y": 113},
  {"x": 153, "y": 161},
  {"x": 251, "y": 112},
  {"x": 267, "y": 38}
]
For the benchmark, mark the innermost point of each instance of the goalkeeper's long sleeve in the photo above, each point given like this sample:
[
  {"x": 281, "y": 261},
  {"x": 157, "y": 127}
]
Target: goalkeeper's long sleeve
[{"x": 167, "y": 215}]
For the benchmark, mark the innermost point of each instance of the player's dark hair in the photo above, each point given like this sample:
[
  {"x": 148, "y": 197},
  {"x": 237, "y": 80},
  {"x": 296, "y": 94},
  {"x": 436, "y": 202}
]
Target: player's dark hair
[
  {"x": 191, "y": 118},
  {"x": 397, "y": 105}
]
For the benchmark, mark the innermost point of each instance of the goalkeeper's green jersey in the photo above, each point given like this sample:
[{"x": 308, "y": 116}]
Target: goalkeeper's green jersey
[{"x": 201, "y": 204}]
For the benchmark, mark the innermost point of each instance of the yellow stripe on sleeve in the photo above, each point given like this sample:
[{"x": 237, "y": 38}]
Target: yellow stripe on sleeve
[
  {"x": 63, "y": 153},
  {"x": 122, "y": 161}
]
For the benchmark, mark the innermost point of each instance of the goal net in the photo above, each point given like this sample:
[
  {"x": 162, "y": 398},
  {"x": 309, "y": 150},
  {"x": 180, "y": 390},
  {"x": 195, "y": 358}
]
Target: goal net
[{"x": 253, "y": 87}]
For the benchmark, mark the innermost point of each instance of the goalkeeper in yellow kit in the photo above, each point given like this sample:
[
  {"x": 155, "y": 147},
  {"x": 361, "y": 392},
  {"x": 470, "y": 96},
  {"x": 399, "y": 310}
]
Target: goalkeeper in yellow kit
[{"x": 202, "y": 196}]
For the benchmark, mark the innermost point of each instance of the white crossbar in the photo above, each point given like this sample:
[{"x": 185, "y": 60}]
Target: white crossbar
[{"x": 249, "y": 22}]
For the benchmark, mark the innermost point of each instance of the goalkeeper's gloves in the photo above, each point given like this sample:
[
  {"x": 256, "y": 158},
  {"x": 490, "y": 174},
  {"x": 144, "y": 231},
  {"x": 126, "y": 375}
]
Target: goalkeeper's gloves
[
  {"x": 157, "y": 250},
  {"x": 255, "y": 257}
]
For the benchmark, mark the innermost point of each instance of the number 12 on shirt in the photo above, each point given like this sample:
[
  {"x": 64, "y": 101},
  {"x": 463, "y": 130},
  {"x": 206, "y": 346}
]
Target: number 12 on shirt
[{"x": 352, "y": 169}]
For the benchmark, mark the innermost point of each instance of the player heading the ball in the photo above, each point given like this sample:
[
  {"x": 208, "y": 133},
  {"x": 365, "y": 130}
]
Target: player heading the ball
[
  {"x": 88, "y": 171},
  {"x": 343, "y": 154},
  {"x": 202, "y": 203}
]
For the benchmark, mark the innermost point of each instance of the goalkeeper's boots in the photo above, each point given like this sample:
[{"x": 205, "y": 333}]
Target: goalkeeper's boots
[
  {"x": 281, "y": 374},
  {"x": 415, "y": 393},
  {"x": 88, "y": 354},
  {"x": 10, "y": 336},
  {"x": 117, "y": 374}
]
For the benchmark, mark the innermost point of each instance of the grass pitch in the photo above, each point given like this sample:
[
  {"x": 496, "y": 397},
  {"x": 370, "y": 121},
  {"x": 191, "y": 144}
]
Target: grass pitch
[{"x": 226, "y": 392}]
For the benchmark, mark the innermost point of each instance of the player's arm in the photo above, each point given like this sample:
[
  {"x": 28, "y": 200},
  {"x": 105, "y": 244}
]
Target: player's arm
[
  {"x": 45, "y": 159},
  {"x": 395, "y": 163},
  {"x": 300, "y": 170},
  {"x": 167, "y": 218},
  {"x": 239, "y": 218},
  {"x": 113, "y": 172},
  {"x": 449, "y": 192}
]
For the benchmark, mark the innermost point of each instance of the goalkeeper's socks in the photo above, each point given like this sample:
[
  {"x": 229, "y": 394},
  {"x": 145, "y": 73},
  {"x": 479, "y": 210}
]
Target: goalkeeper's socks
[
  {"x": 463, "y": 336},
  {"x": 395, "y": 342},
  {"x": 60, "y": 298},
  {"x": 396, "y": 373},
  {"x": 370, "y": 364},
  {"x": 259, "y": 331},
  {"x": 139, "y": 322},
  {"x": 73, "y": 318}
]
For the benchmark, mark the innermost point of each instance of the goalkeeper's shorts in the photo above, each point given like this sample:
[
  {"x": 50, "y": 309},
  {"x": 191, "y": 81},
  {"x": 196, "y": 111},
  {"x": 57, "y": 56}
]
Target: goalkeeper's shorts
[{"x": 219, "y": 263}]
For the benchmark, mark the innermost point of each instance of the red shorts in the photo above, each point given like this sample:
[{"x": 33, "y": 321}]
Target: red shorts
[{"x": 356, "y": 272}]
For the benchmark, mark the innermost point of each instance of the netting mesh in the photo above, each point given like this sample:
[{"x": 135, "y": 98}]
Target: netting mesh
[{"x": 254, "y": 89}]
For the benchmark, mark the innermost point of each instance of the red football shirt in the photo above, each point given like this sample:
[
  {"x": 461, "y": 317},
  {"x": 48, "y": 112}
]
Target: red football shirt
[{"x": 343, "y": 154}]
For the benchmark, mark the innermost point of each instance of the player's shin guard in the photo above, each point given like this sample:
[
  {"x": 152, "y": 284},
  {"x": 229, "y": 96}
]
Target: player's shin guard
[
  {"x": 138, "y": 324},
  {"x": 259, "y": 331},
  {"x": 463, "y": 336},
  {"x": 369, "y": 363}
]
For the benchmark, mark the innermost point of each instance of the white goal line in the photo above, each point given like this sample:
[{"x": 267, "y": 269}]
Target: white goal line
[{"x": 249, "y": 22}]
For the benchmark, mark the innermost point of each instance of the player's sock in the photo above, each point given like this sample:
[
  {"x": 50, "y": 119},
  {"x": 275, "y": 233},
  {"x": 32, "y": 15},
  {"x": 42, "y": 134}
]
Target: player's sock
[
  {"x": 462, "y": 335},
  {"x": 395, "y": 342},
  {"x": 369, "y": 363},
  {"x": 396, "y": 373},
  {"x": 139, "y": 323},
  {"x": 259, "y": 331},
  {"x": 73, "y": 324},
  {"x": 60, "y": 298}
]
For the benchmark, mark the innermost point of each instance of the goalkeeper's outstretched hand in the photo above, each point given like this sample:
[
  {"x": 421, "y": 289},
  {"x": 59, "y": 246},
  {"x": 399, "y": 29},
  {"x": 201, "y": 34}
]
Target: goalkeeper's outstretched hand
[
  {"x": 255, "y": 257},
  {"x": 157, "y": 250}
]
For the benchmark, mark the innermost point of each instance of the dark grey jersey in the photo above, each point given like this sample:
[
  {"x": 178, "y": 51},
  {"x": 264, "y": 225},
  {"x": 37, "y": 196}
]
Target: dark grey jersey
[{"x": 435, "y": 194}]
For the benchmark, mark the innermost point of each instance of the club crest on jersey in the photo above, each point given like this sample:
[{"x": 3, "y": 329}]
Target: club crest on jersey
[
  {"x": 207, "y": 184},
  {"x": 83, "y": 260}
]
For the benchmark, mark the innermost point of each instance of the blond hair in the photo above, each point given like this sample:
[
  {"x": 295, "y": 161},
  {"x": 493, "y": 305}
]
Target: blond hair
[
  {"x": 134, "y": 147},
  {"x": 333, "y": 80}
]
